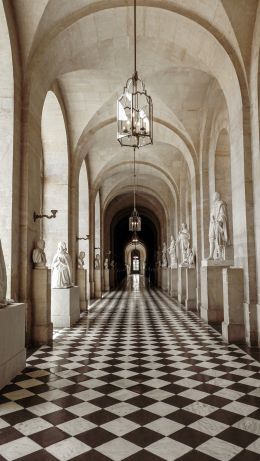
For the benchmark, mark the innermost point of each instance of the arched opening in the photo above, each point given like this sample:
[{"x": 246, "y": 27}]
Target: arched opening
[
  {"x": 54, "y": 175},
  {"x": 6, "y": 148},
  {"x": 223, "y": 180},
  {"x": 83, "y": 227},
  {"x": 135, "y": 252}
]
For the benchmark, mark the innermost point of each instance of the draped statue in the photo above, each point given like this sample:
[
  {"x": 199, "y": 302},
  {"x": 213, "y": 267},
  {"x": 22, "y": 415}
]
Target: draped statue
[{"x": 61, "y": 268}]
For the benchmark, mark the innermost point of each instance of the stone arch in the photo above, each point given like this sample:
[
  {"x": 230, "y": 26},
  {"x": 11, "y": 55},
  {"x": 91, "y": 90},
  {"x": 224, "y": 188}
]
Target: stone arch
[
  {"x": 6, "y": 146},
  {"x": 55, "y": 193}
]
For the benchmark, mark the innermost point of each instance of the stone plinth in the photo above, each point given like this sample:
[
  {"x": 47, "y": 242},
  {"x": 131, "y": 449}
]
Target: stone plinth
[
  {"x": 233, "y": 327},
  {"x": 112, "y": 278},
  {"x": 106, "y": 280},
  {"x": 212, "y": 290},
  {"x": 182, "y": 284},
  {"x": 97, "y": 283},
  {"x": 159, "y": 276},
  {"x": 164, "y": 273},
  {"x": 82, "y": 284},
  {"x": 41, "y": 300},
  {"x": 65, "y": 310},
  {"x": 191, "y": 289},
  {"x": 12, "y": 342},
  {"x": 174, "y": 282}
]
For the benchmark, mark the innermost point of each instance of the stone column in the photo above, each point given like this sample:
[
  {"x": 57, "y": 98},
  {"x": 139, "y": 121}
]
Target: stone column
[
  {"x": 97, "y": 282},
  {"x": 191, "y": 289},
  {"x": 159, "y": 276},
  {"x": 106, "y": 280},
  {"x": 233, "y": 327},
  {"x": 83, "y": 293},
  {"x": 181, "y": 284},
  {"x": 164, "y": 278},
  {"x": 169, "y": 281},
  {"x": 212, "y": 290},
  {"x": 174, "y": 282},
  {"x": 41, "y": 300}
]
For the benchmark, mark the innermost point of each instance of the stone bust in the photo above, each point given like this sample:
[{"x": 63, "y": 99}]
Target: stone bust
[
  {"x": 3, "y": 279},
  {"x": 218, "y": 229},
  {"x": 81, "y": 257},
  {"x": 61, "y": 268},
  {"x": 38, "y": 255}
]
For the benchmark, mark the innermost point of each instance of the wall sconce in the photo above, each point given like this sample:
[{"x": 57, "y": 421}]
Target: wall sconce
[
  {"x": 40, "y": 216},
  {"x": 83, "y": 238}
]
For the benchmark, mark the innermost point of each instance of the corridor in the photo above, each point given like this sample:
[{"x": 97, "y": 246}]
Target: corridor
[{"x": 139, "y": 379}]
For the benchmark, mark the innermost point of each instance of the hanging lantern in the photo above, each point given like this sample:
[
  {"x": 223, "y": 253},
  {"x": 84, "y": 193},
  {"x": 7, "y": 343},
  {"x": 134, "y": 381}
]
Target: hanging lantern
[
  {"x": 135, "y": 110},
  {"x": 135, "y": 221}
]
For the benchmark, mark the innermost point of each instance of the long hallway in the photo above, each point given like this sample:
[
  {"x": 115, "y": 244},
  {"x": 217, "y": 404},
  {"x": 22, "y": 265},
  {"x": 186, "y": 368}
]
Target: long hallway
[{"x": 138, "y": 379}]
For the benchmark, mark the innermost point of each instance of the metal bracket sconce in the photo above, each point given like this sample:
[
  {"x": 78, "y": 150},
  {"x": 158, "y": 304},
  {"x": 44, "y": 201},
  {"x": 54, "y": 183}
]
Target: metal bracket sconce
[
  {"x": 83, "y": 238},
  {"x": 40, "y": 216}
]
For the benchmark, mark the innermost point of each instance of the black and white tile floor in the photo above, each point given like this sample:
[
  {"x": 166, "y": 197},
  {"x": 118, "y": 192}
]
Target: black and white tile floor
[{"x": 138, "y": 379}]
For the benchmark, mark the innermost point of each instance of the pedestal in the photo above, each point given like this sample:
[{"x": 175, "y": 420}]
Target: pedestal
[
  {"x": 41, "y": 300},
  {"x": 212, "y": 290},
  {"x": 97, "y": 282},
  {"x": 106, "y": 280},
  {"x": 233, "y": 327},
  {"x": 82, "y": 284},
  {"x": 12, "y": 342},
  {"x": 159, "y": 276},
  {"x": 191, "y": 289},
  {"x": 112, "y": 278},
  {"x": 65, "y": 310},
  {"x": 182, "y": 284},
  {"x": 164, "y": 278},
  {"x": 174, "y": 282}
]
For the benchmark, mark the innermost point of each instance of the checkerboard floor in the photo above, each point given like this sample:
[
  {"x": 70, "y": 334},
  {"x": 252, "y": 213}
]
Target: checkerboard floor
[{"x": 138, "y": 379}]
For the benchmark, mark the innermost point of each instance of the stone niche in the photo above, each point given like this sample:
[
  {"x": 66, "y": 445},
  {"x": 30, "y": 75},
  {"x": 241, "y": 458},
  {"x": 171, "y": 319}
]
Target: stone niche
[{"x": 12, "y": 342}]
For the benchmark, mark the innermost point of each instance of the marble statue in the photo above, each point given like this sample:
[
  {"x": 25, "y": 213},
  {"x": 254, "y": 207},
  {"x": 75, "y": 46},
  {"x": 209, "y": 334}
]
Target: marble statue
[
  {"x": 112, "y": 264},
  {"x": 164, "y": 255},
  {"x": 61, "y": 268},
  {"x": 158, "y": 258},
  {"x": 38, "y": 255},
  {"x": 3, "y": 279},
  {"x": 184, "y": 241},
  {"x": 81, "y": 257},
  {"x": 97, "y": 261},
  {"x": 172, "y": 253},
  {"x": 106, "y": 266},
  {"x": 218, "y": 229}
]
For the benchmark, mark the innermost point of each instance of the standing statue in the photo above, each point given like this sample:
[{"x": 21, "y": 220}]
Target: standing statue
[
  {"x": 38, "y": 256},
  {"x": 172, "y": 253},
  {"x": 218, "y": 229},
  {"x": 61, "y": 268},
  {"x": 164, "y": 255},
  {"x": 3, "y": 279},
  {"x": 81, "y": 257},
  {"x": 184, "y": 240},
  {"x": 106, "y": 266},
  {"x": 97, "y": 261}
]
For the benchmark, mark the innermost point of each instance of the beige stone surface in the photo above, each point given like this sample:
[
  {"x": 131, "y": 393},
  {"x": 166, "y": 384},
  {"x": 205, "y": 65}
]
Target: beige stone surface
[
  {"x": 65, "y": 306},
  {"x": 12, "y": 346},
  {"x": 82, "y": 277}
]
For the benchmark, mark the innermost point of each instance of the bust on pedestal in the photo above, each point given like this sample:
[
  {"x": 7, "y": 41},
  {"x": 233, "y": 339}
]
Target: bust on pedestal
[
  {"x": 164, "y": 268},
  {"x": 106, "y": 275},
  {"x": 97, "y": 277},
  {"x": 41, "y": 296},
  {"x": 82, "y": 281},
  {"x": 65, "y": 308}
]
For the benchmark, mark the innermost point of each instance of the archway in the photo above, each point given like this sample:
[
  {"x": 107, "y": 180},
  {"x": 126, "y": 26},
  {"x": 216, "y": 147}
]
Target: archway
[{"x": 54, "y": 175}]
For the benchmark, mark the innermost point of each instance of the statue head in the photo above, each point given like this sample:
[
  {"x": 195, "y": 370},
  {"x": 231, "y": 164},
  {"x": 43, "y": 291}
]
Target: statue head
[
  {"x": 40, "y": 244},
  {"x": 62, "y": 247},
  {"x": 82, "y": 254},
  {"x": 216, "y": 197}
]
